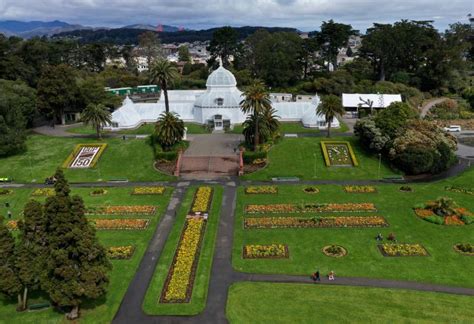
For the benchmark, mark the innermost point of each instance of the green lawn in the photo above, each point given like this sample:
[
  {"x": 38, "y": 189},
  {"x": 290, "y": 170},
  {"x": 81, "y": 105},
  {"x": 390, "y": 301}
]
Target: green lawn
[
  {"x": 296, "y": 128},
  {"x": 131, "y": 159},
  {"x": 363, "y": 259},
  {"x": 303, "y": 158},
  {"x": 290, "y": 303},
  {"x": 151, "y": 304},
  {"x": 103, "y": 310},
  {"x": 144, "y": 129}
]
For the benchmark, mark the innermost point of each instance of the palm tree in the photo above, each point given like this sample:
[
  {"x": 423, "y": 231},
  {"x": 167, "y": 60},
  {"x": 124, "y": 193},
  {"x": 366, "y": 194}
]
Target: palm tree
[
  {"x": 330, "y": 107},
  {"x": 169, "y": 130},
  {"x": 268, "y": 125},
  {"x": 257, "y": 101},
  {"x": 96, "y": 115},
  {"x": 164, "y": 74}
]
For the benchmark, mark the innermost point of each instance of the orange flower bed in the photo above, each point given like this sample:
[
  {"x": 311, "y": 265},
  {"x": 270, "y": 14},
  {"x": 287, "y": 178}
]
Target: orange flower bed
[
  {"x": 321, "y": 222},
  {"x": 122, "y": 210},
  {"x": 423, "y": 212},
  {"x": 310, "y": 208},
  {"x": 120, "y": 224},
  {"x": 453, "y": 220},
  {"x": 12, "y": 225}
]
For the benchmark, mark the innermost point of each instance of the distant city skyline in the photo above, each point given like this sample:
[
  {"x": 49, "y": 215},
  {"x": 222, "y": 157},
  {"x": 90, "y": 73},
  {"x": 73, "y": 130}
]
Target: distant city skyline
[{"x": 305, "y": 15}]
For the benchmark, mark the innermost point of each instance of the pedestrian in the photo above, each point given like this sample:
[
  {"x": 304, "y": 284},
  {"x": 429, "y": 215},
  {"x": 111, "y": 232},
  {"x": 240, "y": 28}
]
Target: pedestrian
[
  {"x": 318, "y": 277},
  {"x": 9, "y": 214},
  {"x": 7, "y": 204},
  {"x": 331, "y": 276}
]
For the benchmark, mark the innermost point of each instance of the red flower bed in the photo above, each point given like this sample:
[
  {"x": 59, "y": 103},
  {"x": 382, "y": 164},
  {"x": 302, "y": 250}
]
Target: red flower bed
[
  {"x": 120, "y": 224},
  {"x": 310, "y": 208}
]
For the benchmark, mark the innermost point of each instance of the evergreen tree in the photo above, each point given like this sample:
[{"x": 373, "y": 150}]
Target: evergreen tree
[
  {"x": 10, "y": 285},
  {"x": 76, "y": 266},
  {"x": 31, "y": 249}
]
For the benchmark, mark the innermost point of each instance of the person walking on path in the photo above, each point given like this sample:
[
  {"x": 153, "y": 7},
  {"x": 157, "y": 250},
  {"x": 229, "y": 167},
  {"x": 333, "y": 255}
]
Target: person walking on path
[
  {"x": 316, "y": 276},
  {"x": 331, "y": 276},
  {"x": 9, "y": 214}
]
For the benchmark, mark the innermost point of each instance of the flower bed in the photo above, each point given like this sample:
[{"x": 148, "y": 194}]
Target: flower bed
[
  {"x": 148, "y": 190},
  {"x": 406, "y": 189},
  {"x": 272, "y": 251},
  {"x": 335, "y": 251},
  {"x": 120, "y": 252},
  {"x": 178, "y": 286},
  {"x": 4, "y": 192},
  {"x": 12, "y": 225},
  {"x": 202, "y": 200},
  {"x": 360, "y": 189},
  {"x": 43, "y": 192},
  {"x": 464, "y": 248},
  {"x": 467, "y": 191},
  {"x": 402, "y": 249},
  {"x": 338, "y": 153},
  {"x": 310, "y": 208},
  {"x": 120, "y": 224},
  {"x": 311, "y": 190},
  {"x": 461, "y": 217},
  {"x": 99, "y": 192},
  {"x": 315, "y": 222},
  {"x": 84, "y": 156},
  {"x": 122, "y": 210},
  {"x": 261, "y": 190}
]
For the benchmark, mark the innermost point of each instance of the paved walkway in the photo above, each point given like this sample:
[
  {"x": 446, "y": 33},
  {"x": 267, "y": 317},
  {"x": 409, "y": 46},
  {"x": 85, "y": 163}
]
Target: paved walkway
[
  {"x": 213, "y": 145},
  {"x": 430, "y": 104}
]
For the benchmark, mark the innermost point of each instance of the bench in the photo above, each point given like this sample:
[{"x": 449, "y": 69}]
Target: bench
[
  {"x": 118, "y": 180},
  {"x": 39, "y": 306},
  {"x": 285, "y": 179}
]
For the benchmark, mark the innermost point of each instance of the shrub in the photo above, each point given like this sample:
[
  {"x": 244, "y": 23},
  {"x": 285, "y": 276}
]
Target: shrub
[
  {"x": 250, "y": 156},
  {"x": 166, "y": 156}
]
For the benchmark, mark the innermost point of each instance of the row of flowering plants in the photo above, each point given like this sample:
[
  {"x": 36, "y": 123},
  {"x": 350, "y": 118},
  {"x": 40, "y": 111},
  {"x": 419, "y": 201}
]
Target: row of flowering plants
[
  {"x": 120, "y": 224},
  {"x": 360, "y": 189},
  {"x": 271, "y": 251},
  {"x": 261, "y": 190},
  {"x": 179, "y": 283},
  {"x": 467, "y": 191},
  {"x": 45, "y": 192},
  {"x": 121, "y": 210},
  {"x": 315, "y": 222},
  {"x": 120, "y": 252},
  {"x": 148, "y": 190},
  {"x": 310, "y": 208},
  {"x": 202, "y": 200},
  {"x": 402, "y": 249}
]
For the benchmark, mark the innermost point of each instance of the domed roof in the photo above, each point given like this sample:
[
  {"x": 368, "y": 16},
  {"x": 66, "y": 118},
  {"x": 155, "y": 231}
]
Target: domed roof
[{"x": 221, "y": 78}]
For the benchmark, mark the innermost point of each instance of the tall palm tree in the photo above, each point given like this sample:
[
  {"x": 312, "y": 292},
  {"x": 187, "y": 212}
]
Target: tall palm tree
[
  {"x": 164, "y": 74},
  {"x": 268, "y": 125},
  {"x": 330, "y": 107},
  {"x": 169, "y": 130},
  {"x": 98, "y": 116},
  {"x": 256, "y": 102}
]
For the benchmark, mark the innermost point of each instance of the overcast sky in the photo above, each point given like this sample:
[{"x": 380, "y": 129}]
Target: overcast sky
[{"x": 303, "y": 14}]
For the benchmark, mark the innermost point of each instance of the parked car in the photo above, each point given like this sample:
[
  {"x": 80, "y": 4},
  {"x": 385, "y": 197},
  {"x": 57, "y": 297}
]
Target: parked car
[{"x": 452, "y": 128}]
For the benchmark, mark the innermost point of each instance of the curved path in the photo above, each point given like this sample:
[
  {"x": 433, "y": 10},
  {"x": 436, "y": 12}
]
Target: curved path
[
  {"x": 430, "y": 104},
  {"x": 222, "y": 273}
]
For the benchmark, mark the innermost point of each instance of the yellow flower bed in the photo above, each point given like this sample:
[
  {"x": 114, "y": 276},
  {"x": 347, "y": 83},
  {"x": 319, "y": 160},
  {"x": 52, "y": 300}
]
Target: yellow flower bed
[
  {"x": 202, "y": 200},
  {"x": 148, "y": 190},
  {"x": 43, "y": 192},
  {"x": 180, "y": 273},
  {"x": 120, "y": 252}
]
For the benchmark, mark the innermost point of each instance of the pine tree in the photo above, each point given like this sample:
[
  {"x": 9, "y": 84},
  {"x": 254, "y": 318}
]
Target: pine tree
[
  {"x": 31, "y": 249},
  {"x": 10, "y": 285},
  {"x": 76, "y": 267}
]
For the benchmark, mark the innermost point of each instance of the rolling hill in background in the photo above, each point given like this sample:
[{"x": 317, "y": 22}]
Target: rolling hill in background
[
  {"x": 128, "y": 36},
  {"x": 28, "y": 29}
]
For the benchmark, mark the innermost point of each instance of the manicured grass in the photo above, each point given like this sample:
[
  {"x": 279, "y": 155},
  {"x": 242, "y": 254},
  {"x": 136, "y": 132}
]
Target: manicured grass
[
  {"x": 363, "y": 259},
  {"x": 151, "y": 304},
  {"x": 145, "y": 129},
  {"x": 296, "y": 128},
  {"x": 104, "y": 309},
  {"x": 131, "y": 159},
  {"x": 303, "y": 158},
  {"x": 291, "y": 303}
]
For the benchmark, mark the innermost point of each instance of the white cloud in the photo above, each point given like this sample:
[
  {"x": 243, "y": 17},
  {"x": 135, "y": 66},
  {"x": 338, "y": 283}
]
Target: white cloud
[{"x": 303, "y": 14}]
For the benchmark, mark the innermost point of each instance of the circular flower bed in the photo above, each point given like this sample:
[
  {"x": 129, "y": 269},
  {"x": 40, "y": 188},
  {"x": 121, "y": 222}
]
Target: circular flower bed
[
  {"x": 464, "y": 248},
  {"x": 335, "y": 251},
  {"x": 98, "y": 192},
  {"x": 311, "y": 190}
]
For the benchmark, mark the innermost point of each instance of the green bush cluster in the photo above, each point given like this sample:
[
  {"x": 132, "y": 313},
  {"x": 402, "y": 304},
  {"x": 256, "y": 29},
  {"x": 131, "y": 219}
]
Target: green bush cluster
[{"x": 250, "y": 156}]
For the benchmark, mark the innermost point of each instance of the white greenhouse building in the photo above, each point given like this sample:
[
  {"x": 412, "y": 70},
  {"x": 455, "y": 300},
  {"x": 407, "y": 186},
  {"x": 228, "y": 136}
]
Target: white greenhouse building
[{"x": 218, "y": 105}]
